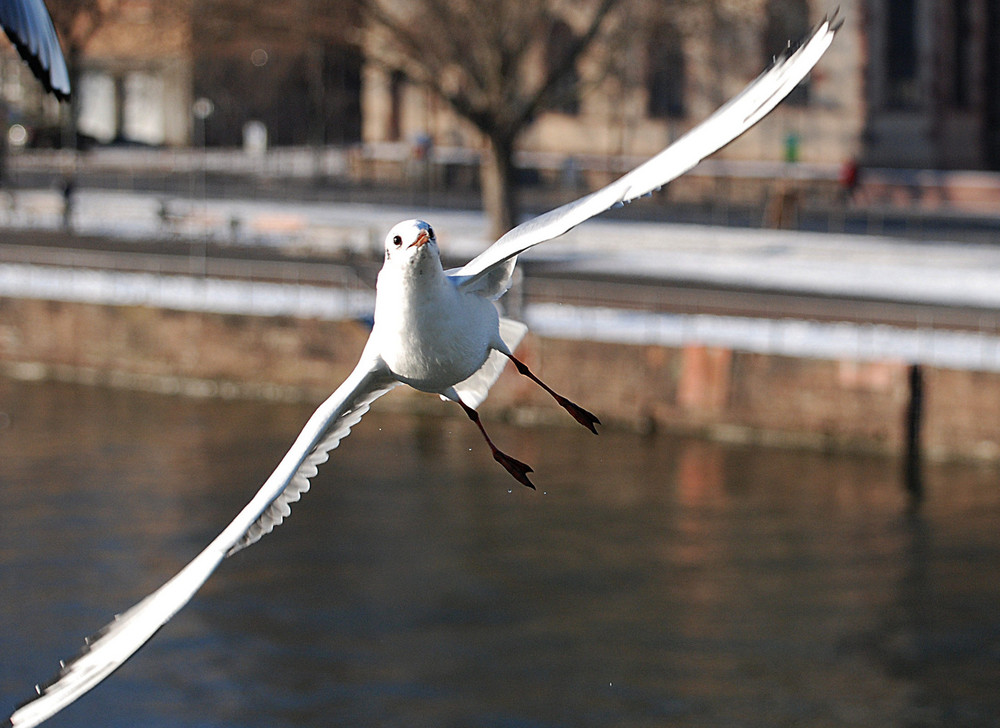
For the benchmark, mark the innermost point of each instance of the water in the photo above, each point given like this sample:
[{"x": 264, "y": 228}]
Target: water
[{"x": 650, "y": 581}]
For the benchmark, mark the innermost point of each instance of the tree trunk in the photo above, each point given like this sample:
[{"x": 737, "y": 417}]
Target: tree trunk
[{"x": 498, "y": 184}]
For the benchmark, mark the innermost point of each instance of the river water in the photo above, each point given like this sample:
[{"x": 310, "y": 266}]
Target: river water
[{"x": 650, "y": 581}]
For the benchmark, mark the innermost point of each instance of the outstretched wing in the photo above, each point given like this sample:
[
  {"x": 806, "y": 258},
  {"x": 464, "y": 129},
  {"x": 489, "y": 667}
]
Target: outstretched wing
[
  {"x": 29, "y": 27},
  {"x": 108, "y": 649},
  {"x": 489, "y": 273}
]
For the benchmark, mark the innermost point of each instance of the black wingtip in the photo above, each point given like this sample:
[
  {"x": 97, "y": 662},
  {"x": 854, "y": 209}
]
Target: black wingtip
[
  {"x": 38, "y": 69},
  {"x": 833, "y": 20},
  {"x": 836, "y": 23}
]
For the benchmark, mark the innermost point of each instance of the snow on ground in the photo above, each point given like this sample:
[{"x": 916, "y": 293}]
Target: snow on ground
[
  {"x": 957, "y": 350},
  {"x": 183, "y": 293},
  {"x": 976, "y": 351},
  {"x": 831, "y": 264}
]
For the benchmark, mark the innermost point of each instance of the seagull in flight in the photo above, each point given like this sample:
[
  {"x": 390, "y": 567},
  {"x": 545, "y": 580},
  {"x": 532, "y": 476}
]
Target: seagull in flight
[
  {"x": 29, "y": 27},
  {"x": 437, "y": 331}
]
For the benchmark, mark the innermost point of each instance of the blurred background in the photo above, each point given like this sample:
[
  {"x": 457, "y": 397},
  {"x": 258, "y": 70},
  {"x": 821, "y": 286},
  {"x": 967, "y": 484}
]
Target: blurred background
[
  {"x": 790, "y": 517},
  {"x": 901, "y": 114}
]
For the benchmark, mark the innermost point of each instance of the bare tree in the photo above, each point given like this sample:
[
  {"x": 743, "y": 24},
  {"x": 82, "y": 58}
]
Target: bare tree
[
  {"x": 77, "y": 21},
  {"x": 482, "y": 57}
]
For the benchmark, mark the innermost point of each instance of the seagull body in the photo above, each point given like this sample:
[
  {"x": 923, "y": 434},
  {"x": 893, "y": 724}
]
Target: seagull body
[
  {"x": 437, "y": 331},
  {"x": 29, "y": 27},
  {"x": 430, "y": 333}
]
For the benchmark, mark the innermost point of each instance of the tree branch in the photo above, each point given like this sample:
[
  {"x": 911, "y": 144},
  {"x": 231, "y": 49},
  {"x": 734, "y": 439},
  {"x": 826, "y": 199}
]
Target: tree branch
[{"x": 545, "y": 94}]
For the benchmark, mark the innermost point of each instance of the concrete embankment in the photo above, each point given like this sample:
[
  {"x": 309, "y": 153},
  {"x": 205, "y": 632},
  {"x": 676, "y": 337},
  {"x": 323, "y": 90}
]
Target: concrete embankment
[{"x": 689, "y": 385}]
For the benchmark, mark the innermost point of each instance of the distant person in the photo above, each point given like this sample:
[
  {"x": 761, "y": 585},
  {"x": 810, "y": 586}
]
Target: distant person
[
  {"x": 850, "y": 177},
  {"x": 68, "y": 188}
]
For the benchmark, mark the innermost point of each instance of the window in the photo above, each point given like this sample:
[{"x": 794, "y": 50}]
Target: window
[
  {"x": 787, "y": 21},
  {"x": 901, "y": 69},
  {"x": 566, "y": 90},
  {"x": 397, "y": 83},
  {"x": 665, "y": 73},
  {"x": 962, "y": 61}
]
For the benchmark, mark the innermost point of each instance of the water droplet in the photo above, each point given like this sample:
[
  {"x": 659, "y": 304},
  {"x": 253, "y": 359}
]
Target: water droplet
[{"x": 510, "y": 490}]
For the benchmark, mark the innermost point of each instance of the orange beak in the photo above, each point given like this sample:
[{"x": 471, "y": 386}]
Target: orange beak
[{"x": 422, "y": 239}]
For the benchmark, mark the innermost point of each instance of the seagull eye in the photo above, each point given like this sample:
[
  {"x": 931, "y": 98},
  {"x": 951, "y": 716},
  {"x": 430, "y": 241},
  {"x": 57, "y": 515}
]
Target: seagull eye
[
  {"x": 430, "y": 232},
  {"x": 397, "y": 241}
]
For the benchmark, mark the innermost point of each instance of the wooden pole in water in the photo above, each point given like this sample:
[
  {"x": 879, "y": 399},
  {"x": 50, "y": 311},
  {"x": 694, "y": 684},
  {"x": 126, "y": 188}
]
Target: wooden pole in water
[{"x": 913, "y": 476}]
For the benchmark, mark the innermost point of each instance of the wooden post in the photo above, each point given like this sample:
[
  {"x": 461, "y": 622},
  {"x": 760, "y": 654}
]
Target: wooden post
[{"x": 913, "y": 476}]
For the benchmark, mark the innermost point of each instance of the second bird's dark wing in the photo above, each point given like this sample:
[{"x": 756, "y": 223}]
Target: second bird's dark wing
[{"x": 29, "y": 27}]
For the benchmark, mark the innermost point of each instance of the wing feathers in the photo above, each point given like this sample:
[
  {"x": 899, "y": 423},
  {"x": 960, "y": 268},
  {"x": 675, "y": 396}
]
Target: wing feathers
[
  {"x": 109, "y": 648},
  {"x": 299, "y": 484},
  {"x": 722, "y": 127},
  {"x": 29, "y": 27}
]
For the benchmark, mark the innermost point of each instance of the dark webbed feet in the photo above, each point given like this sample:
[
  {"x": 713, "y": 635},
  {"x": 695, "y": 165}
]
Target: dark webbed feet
[
  {"x": 513, "y": 466},
  {"x": 585, "y": 418}
]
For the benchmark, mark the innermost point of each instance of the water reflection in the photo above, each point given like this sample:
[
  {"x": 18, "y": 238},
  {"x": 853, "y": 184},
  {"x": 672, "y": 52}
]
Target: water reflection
[{"x": 650, "y": 581}]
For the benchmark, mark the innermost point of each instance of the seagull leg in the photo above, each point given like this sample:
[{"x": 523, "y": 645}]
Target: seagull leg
[
  {"x": 515, "y": 467},
  {"x": 581, "y": 415}
]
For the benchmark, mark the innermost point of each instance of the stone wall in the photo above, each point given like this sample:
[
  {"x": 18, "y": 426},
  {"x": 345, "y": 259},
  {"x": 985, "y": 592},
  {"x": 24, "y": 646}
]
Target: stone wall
[{"x": 713, "y": 391}]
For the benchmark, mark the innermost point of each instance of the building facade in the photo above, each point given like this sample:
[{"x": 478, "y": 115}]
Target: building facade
[
  {"x": 656, "y": 71},
  {"x": 131, "y": 67},
  {"x": 906, "y": 84},
  {"x": 932, "y": 84}
]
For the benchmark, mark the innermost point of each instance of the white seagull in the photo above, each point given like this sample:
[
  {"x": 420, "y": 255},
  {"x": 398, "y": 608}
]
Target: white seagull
[
  {"x": 29, "y": 27},
  {"x": 435, "y": 330}
]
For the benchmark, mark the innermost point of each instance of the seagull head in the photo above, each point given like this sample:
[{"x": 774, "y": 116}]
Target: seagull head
[{"x": 410, "y": 241}]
